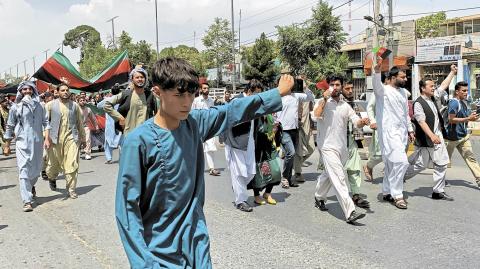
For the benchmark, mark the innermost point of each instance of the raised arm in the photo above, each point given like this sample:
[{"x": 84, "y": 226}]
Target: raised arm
[
  {"x": 378, "y": 87},
  {"x": 440, "y": 91},
  {"x": 217, "y": 119}
]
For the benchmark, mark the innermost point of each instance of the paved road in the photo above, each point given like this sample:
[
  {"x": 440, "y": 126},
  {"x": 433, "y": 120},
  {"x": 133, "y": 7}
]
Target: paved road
[{"x": 65, "y": 233}]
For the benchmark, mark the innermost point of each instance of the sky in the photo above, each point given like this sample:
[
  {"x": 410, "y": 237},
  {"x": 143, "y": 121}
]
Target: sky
[{"x": 29, "y": 27}]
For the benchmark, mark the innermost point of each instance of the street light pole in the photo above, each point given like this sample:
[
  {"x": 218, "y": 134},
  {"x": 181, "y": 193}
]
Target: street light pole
[
  {"x": 156, "y": 27},
  {"x": 113, "y": 30},
  {"x": 233, "y": 51},
  {"x": 390, "y": 33}
]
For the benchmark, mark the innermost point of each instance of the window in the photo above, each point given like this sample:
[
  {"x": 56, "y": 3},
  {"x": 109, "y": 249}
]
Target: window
[
  {"x": 476, "y": 26},
  {"x": 459, "y": 30},
  {"x": 442, "y": 30},
  {"x": 451, "y": 29},
  {"x": 467, "y": 27}
]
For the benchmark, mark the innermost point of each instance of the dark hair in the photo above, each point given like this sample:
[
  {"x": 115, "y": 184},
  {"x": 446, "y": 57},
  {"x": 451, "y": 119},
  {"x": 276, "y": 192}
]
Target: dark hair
[
  {"x": 334, "y": 78},
  {"x": 394, "y": 71},
  {"x": 174, "y": 73},
  {"x": 348, "y": 82},
  {"x": 115, "y": 89},
  {"x": 228, "y": 91},
  {"x": 254, "y": 84},
  {"x": 423, "y": 83},
  {"x": 60, "y": 85},
  {"x": 384, "y": 76},
  {"x": 460, "y": 84}
]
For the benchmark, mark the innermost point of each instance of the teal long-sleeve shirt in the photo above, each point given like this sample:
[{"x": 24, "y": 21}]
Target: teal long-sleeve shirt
[{"x": 161, "y": 188}]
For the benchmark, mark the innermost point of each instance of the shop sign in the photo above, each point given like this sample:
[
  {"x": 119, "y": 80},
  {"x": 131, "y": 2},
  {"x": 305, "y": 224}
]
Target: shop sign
[
  {"x": 439, "y": 49},
  {"x": 358, "y": 74}
]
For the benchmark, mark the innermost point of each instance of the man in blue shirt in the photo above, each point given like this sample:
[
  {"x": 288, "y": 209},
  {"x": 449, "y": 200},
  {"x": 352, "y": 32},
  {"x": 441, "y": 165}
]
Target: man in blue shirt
[
  {"x": 160, "y": 187},
  {"x": 457, "y": 134}
]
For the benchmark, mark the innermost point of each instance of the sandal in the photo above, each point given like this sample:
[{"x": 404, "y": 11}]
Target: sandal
[
  {"x": 269, "y": 199},
  {"x": 368, "y": 173},
  {"x": 214, "y": 172},
  {"x": 285, "y": 184},
  {"x": 360, "y": 202},
  {"x": 259, "y": 201},
  {"x": 400, "y": 203}
]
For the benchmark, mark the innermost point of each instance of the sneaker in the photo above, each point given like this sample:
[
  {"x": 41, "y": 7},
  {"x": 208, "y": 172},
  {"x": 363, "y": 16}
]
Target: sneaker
[
  {"x": 73, "y": 195},
  {"x": 354, "y": 217},
  {"x": 299, "y": 177},
  {"x": 441, "y": 196},
  {"x": 27, "y": 207},
  {"x": 88, "y": 157},
  {"x": 244, "y": 207},
  {"x": 320, "y": 204}
]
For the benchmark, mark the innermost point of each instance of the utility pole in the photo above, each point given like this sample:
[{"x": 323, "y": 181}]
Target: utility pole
[
  {"x": 24, "y": 67},
  {"x": 156, "y": 28},
  {"x": 113, "y": 29},
  {"x": 233, "y": 51},
  {"x": 376, "y": 13},
  {"x": 46, "y": 54},
  {"x": 390, "y": 33},
  {"x": 239, "y": 22}
]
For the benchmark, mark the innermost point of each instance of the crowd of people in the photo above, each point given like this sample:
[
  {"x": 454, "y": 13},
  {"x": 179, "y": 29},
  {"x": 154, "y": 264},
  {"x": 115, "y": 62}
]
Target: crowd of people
[{"x": 165, "y": 127}]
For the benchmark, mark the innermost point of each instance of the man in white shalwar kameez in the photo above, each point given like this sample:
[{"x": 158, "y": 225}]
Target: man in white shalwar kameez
[
  {"x": 394, "y": 129},
  {"x": 332, "y": 116},
  {"x": 429, "y": 143},
  {"x": 27, "y": 120},
  {"x": 205, "y": 102}
]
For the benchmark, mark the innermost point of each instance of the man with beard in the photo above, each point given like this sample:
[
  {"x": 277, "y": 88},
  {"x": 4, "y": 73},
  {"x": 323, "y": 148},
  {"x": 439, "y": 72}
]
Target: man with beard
[
  {"x": 394, "y": 130},
  {"x": 67, "y": 135},
  {"x": 332, "y": 115},
  {"x": 89, "y": 125},
  {"x": 27, "y": 120},
  {"x": 205, "y": 102},
  {"x": 135, "y": 104},
  {"x": 354, "y": 136}
]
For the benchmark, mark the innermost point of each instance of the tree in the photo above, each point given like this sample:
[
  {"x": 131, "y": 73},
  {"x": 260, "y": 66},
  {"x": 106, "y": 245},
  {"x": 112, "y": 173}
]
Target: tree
[
  {"x": 190, "y": 54},
  {"x": 80, "y": 37},
  {"x": 218, "y": 43},
  {"x": 140, "y": 52},
  {"x": 312, "y": 40},
  {"x": 334, "y": 63},
  {"x": 260, "y": 61},
  {"x": 429, "y": 26}
]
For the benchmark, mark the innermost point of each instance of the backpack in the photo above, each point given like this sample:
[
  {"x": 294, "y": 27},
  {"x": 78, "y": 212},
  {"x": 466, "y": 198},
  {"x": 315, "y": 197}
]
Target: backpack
[{"x": 446, "y": 124}]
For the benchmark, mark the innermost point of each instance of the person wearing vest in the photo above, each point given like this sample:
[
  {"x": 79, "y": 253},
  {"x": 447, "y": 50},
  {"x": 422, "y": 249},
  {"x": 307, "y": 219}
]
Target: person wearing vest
[
  {"x": 135, "y": 104},
  {"x": 458, "y": 137},
  {"x": 89, "y": 125},
  {"x": 429, "y": 142},
  {"x": 67, "y": 136}
]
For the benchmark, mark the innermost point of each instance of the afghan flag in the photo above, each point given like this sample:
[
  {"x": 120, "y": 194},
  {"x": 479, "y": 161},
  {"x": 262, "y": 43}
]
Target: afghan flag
[{"x": 58, "y": 69}]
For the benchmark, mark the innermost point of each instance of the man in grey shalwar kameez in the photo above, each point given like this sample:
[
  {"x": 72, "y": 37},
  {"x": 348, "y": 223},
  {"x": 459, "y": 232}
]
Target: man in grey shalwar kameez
[{"x": 27, "y": 120}]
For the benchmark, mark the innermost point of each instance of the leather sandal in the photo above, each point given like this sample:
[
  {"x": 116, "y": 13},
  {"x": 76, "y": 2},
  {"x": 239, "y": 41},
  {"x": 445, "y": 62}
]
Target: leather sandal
[{"x": 400, "y": 203}]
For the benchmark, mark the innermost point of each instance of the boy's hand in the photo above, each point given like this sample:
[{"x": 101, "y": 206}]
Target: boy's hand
[{"x": 285, "y": 85}]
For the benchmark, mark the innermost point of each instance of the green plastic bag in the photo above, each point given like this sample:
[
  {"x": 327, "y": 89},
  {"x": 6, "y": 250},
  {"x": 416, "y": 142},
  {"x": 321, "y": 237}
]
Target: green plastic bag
[{"x": 268, "y": 172}]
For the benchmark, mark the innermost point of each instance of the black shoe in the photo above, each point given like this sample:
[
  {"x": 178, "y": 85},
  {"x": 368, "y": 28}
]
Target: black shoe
[
  {"x": 44, "y": 175},
  {"x": 244, "y": 207},
  {"x": 320, "y": 204},
  {"x": 34, "y": 192},
  {"x": 294, "y": 185},
  {"x": 53, "y": 185},
  {"x": 388, "y": 198},
  {"x": 441, "y": 196},
  {"x": 360, "y": 202},
  {"x": 354, "y": 217}
]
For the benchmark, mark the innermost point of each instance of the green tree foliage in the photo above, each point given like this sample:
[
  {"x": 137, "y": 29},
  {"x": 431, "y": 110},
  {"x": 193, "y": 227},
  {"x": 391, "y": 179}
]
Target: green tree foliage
[
  {"x": 312, "y": 40},
  {"x": 260, "y": 61},
  {"x": 190, "y": 54},
  {"x": 429, "y": 26},
  {"x": 140, "y": 52},
  {"x": 218, "y": 44},
  {"x": 81, "y": 37},
  {"x": 334, "y": 63}
]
